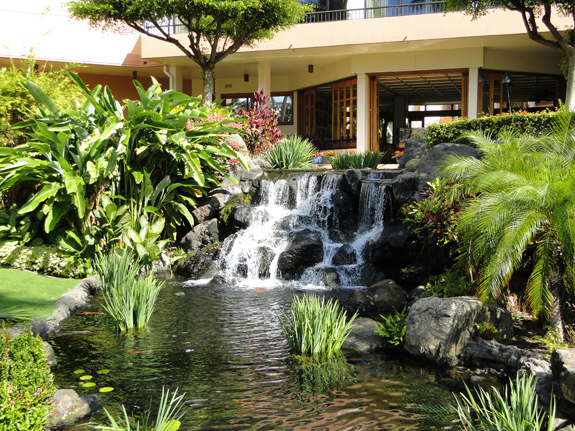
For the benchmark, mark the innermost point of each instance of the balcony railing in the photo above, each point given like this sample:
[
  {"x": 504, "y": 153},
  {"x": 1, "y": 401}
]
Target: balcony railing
[{"x": 416, "y": 7}]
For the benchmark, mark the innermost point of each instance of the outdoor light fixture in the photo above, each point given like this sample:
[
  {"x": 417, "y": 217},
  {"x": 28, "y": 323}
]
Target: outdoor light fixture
[
  {"x": 134, "y": 75},
  {"x": 246, "y": 77},
  {"x": 310, "y": 68},
  {"x": 483, "y": 79}
]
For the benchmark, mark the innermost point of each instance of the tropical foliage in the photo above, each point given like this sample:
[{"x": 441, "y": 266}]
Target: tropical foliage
[
  {"x": 107, "y": 174},
  {"x": 513, "y": 409},
  {"x": 26, "y": 386},
  {"x": 129, "y": 294},
  {"x": 316, "y": 329},
  {"x": 167, "y": 419},
  {"x": 292, "y": 152},
  {"x": 355, "y": 160},
  {"x": 524, "y": 210},
  {"x": 392, "y": 327},
  {"x": 215, "y": 28}
]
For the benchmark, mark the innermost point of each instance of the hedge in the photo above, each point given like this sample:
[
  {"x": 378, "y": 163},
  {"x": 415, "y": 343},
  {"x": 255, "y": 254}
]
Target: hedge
[{"x": 519, "y": 123}]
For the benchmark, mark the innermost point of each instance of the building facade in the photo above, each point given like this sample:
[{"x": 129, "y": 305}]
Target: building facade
[{"x": 357, "y": 74}]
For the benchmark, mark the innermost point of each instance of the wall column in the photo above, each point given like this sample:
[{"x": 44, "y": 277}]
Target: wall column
[
  {"x": 265, "y": 77},
  {"x": 176, "y": 76},
  {"x": 362, "y": 112},
  {"x": 473, "y": 92}
]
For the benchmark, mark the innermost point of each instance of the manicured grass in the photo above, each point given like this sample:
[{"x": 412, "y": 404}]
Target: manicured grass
[{"x": 25, "y": 295}]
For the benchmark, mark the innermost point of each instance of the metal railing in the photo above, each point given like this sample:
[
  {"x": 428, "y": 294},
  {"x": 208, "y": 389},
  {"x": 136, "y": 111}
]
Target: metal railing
[
  {"x": 413, "y": 8},
  {"x": 416, "y": 7}
]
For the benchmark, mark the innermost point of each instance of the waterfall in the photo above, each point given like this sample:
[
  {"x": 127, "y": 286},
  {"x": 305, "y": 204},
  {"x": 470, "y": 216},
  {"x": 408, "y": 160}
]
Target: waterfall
[{"x": 306, "y": 219}]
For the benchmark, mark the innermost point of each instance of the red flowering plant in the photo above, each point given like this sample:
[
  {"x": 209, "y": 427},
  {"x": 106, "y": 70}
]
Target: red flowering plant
[{"x": 261, "y": 124}]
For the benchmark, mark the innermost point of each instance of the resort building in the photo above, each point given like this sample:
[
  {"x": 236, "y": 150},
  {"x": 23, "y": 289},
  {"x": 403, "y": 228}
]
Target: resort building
[{"x": 356, "y": 74}]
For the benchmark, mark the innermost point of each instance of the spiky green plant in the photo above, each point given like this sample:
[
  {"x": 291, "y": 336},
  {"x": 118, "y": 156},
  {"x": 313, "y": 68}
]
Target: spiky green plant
[
  {"x": 514, "y": 409},
  {"x": 393, "y": 327},
  {"x": 316, "y": 329},
  {"x": 292, "y": 152},
  {"x": 168, "y": 418},
  {"x": 356, "y": 160},
  {"x": 525, "y": 201},
  {"x": 129, "y": 295}
]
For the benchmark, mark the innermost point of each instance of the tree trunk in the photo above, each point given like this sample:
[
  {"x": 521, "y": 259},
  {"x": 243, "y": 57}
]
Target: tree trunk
[
  {"x": 570, "y": 96},
  {"x": 555, "y": 319},
  {"x": 208, "y": 86}
]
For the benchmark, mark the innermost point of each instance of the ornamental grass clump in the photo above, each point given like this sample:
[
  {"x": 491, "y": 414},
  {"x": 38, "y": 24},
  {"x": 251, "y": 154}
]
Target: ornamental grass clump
[
  {"x": 355, "y": 160},
  {"x": 129, "y": 295},
  {"x": 292, "y": 152},
  {"x": 316, "y": 329},
  {"x": 513, "y": 409}
]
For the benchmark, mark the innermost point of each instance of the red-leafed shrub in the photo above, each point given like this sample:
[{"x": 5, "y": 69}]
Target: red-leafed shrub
[{"x": 261, "y": 124}]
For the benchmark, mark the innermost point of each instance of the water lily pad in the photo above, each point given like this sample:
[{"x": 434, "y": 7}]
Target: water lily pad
[
  {"x": 103, "y": 371},
  {"x": 88, "y": 384},
  {"x": 106, "y": 389},
  {"x": 86, "y": 377},
  {"x": 80, "y": 371}
]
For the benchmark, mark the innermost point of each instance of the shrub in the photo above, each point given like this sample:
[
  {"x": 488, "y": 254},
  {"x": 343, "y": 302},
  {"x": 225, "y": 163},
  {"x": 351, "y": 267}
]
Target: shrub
[
  {"x": 261, "y": 124},
  {"x": 291, "y": 153},
  {"x": 448, "y": 284},
  {"x": 316, "y": 329},
  {"x": 129, "y": 296},
  {"x": 515, "y": 408},
  {"x": 393, "y": 327},
  {"x": 551, "y": 340},
  {"x": 355, "y": 160},
  {"x": 26, "y": 387},
  {"x": 518, "y": 123},
  {"x": 487, "y": 330},
  {"x": 168, "y": 418}
]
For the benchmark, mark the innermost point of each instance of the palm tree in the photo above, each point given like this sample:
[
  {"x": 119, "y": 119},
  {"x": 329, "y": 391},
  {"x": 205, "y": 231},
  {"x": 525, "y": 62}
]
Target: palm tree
[{"x": 525, "y": 188}]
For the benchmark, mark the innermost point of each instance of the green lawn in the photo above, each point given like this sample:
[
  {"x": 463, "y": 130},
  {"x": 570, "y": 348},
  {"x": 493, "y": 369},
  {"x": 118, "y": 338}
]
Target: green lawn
[{"x": 25, "y": 295}]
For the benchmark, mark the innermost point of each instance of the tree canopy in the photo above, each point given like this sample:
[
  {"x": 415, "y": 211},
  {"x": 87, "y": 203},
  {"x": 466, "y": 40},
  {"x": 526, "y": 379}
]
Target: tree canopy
[
  {"x": 215, "y": 28},
  {"x": 538, "y": 17}
]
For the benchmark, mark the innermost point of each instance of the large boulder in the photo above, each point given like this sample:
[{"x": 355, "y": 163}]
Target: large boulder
[
  {"x": 438, "y": 329},
  {"x": 563, "y": 366},
  {"x": 406, "y": 186},
  {"x": 304, "y": 251},
  {"x": 205, "y": 233},
  {"x": 430, "y": 162},
  {"x": 415, "y": 148},
  {"x": 382, "y": 298},
  {"x": 351, "y": 182},
  {"x": 363, "y": 338}
]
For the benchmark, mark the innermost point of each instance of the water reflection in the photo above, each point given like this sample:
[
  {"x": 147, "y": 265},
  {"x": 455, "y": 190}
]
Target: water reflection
[{"x": 225, "y": 349}]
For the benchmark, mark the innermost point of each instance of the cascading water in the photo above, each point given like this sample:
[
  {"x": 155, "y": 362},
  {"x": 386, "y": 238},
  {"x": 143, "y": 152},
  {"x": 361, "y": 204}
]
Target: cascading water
[{"x": 306, "y": 229}]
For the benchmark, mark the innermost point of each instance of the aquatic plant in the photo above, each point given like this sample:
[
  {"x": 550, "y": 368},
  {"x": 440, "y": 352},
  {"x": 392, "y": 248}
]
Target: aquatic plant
[
  {"x": 316, "y": 329},
  {"x": 393, "y": 327},
  {"x": 292, "y": 152},
  {"x": 168, "y": 418},
  {"x": 513, "y": 409},
  {"x": 355, "y": 160},
  {"x": 129, "y": 296}
]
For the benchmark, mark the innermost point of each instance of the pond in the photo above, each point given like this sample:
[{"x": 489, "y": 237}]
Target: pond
[{"x": 223, "y": 347}]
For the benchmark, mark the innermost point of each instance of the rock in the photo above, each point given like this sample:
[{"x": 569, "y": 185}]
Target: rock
[
  {"x": 240, "y": 217},
  {"x": 330, "y": 278},
  {"x": 411, "y": 166},
  {"x": 416, "y": 294},
  {"x": 50, "y": 355},
  {"x": 345, "y": 255},
  {"x": 501, "y": 319},
  {"x": 382, "y": 298},
  {"x": 563, "y": 366},
  {"x": 351, "y": 182},
  {"x": 68, "y": 408},
  {"x": 438, "y": 329},
  {"x": 406, "y": 186},
  {"x": 415, "y": 148},
  {"x": 198, "y": 264},
  {"x": 363, "y": 338},
  {"x": 305, "y": 250},
  {"x": 201, "y": 235},
  {"x": 431, "y": 161}
]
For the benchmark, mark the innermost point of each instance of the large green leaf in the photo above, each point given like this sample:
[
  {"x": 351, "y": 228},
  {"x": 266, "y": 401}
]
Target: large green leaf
[
  {"x": 75, "y": 187},
  {"x": 42, "y": 98},
  {"x": 54, "y": 216},
  {"x": 47, "y": 192}
]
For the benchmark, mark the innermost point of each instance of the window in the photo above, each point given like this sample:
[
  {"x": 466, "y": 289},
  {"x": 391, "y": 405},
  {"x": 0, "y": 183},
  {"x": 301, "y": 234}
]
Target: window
[{"x": 280, "y": 102}]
